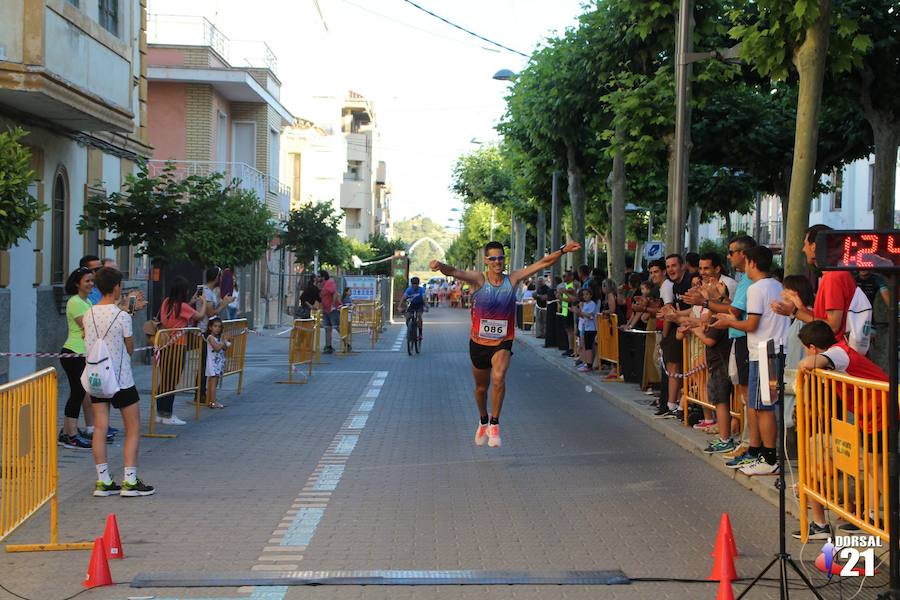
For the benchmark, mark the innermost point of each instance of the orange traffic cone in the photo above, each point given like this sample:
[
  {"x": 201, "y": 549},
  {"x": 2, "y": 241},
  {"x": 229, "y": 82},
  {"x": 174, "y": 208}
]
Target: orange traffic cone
[
  {"x": 725, "y": 535},
  {"x": 723, "y": 555},
  {"x": 98, "y": 569},
  {"x": 725, "y": 590},
  {"x": 111, "y": 540}
]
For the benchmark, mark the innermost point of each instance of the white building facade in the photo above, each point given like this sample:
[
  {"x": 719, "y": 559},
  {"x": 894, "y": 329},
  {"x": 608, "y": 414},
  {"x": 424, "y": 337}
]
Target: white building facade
[{"x": 73, "y": 76}]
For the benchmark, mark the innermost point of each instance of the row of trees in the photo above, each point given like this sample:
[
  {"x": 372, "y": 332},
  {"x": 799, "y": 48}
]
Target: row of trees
[
  {"x": 169, "y": 218},
  {"x": 816, "y": 88}
]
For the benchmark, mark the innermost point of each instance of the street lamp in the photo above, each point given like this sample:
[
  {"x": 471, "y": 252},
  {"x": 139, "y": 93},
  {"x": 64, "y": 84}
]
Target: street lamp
[{"x": 505, "y": 75}]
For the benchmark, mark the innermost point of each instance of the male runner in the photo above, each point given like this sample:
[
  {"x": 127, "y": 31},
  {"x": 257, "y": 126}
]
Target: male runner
[
  {"x": 493, "y": 327},
  {"x": 414, "y": 298}
]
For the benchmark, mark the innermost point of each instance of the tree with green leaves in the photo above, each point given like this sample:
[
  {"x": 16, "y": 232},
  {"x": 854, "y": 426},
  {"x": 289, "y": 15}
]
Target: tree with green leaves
[
  {"x": 777, "y": 37},
  {"x": 18, "y": 208},
  {"x": 148, "y": 215},
  {"x": 172, "y": 219},
  {"x": 315, "y": 227},
  {"x": 228, "y": 225},
  {"x": 476, "y": 232}
]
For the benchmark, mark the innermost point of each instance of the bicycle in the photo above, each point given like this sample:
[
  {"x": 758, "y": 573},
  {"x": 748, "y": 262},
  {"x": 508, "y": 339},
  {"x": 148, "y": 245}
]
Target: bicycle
[{"x": 413, "y": 341}]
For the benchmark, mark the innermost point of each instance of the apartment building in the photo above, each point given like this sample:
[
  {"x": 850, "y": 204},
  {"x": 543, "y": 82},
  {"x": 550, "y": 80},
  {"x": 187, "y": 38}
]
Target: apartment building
[
  {"x": 313, "y": 162},
  {"x": 847, "y": 206},
  {"x": 364, "y": 193},
  {"x": 73, "y": 75},
  {"x": 214, "y": 106}
]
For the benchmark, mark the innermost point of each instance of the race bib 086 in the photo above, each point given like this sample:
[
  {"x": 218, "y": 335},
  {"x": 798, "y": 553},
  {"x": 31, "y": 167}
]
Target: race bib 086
[{"x": 492, "y": 329}]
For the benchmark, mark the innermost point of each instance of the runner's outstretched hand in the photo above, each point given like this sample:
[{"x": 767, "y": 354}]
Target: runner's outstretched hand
[
  {"x": 571, "y": 247},
  {"x": 434, "y": 265}
]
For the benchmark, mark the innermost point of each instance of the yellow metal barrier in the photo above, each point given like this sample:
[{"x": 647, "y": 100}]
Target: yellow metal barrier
[
  {"x": 694, "y": 386},
  {"x": 842, "y": 448},
  {"x": 177, "y": 368},
  {"x": 236, "y": 330},
  {"x": 345, "y": 329},
  {"x": 527, "y": 314},
  {"x": 28, "y": 472},
  {"x": 300, "y": 349},
  {"x": 367, "y": 317},
  {"x": 608, "y": 341}
]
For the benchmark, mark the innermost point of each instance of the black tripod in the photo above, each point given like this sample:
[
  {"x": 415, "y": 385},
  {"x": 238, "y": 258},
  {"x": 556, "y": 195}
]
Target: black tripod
[{"x": 783, "y": 558}]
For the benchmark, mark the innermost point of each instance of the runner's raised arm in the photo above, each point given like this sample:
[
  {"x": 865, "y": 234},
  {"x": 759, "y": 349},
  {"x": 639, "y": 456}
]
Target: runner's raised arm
[
  {"x": 473, "y": 277},
  {"x": 545, "y": 263}
]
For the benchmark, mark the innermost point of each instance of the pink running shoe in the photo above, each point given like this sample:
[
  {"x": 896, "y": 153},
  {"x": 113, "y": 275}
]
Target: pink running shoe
[
  {"x": 481, "y": 434},
  {"x": 494, "y": 436}
]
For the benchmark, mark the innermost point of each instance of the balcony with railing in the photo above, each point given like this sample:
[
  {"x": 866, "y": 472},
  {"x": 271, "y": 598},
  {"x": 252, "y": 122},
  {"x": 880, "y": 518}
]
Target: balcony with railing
[
  {"x": 184, "y": 30},
  {"x": 247, "y": 177},
  {"x": 282, "y": 195},
  {"x": 771, "y": 233}
]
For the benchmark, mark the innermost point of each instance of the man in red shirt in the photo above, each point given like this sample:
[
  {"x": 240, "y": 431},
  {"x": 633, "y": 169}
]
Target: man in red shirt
[
  {"x": 830, "y": 352},
  {"x": 331, "y": 304},
  {"x": 836, "y": 289}
]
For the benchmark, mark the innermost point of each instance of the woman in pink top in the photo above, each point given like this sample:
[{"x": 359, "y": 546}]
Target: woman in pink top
[{"x": 177, "y": 312}]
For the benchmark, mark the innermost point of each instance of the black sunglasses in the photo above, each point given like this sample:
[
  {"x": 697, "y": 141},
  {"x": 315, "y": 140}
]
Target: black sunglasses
[{"x": 495, "y": 258}]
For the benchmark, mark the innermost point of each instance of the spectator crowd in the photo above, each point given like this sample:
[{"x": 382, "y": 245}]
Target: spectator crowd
[{"x": 733, "y": 306}]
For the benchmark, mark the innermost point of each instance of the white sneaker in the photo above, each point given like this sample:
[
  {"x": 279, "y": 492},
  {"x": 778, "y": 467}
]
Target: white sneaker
[
  {"x": 481, "y": 434},
  {"x": 173, "y": 420},
  {"x": 494, "y": 436},
  {"x": 760, "y": 467}
]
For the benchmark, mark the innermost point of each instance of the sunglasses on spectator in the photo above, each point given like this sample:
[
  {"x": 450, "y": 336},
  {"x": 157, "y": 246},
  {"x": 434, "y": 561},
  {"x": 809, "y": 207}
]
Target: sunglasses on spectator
[{"x": 495, "y": 258}]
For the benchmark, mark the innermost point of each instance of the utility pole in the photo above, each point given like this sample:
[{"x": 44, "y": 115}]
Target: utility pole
[
  {"x": 554, "y": 219},
  {"x": 683, "y": 45}
]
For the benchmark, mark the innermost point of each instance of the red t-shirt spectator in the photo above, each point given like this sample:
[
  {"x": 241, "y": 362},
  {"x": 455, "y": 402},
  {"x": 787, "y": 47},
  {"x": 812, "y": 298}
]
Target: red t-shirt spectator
[
  {"x": 329, "y": 289},
  {"x": 185, "y": 317},
  {"x": 836, "y": 290}
]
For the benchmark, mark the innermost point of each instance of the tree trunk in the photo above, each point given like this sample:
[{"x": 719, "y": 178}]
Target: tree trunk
[
  {"x": 809, "y": 58},
  {"x": 576, "y": 199},
  {"x": 616, "y": 255},
  {"x": 885, "y": 179},
  {"x": 728, "y": 231},
  {"x": 540, "y": 241},
  {"x": 555, "y": 219},
  {"x": 886, "y": 131}
]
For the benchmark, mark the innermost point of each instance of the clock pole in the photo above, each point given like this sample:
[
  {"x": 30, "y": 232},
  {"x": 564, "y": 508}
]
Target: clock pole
[{"x": 893, "y": 480}]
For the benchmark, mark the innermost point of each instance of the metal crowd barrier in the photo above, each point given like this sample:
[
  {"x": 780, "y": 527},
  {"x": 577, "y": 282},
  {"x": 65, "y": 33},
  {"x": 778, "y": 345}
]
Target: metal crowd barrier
[
  {"x": 651, "y": 373},
  {"x": 345, "y": 329},
  {"x": 177, "y": 369},
  {"x": 608, "y": 340},
  {"x": 28, "y": 471},
  {"x": 694, "y": 386},
  {"x": 301, "y": 350},
  {"x": 842, "y": 448},
  {"x": 367, "y": 316},
  {"x": 236, "y": 329},
  {"x": 317, "y": 346}
]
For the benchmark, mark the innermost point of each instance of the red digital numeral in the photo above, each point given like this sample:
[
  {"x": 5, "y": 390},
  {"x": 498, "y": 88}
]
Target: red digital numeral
[
  {"x": 848, "y": 245},
  {"x": 890, "y": 245},
  {"x": 864, "y": 257}
]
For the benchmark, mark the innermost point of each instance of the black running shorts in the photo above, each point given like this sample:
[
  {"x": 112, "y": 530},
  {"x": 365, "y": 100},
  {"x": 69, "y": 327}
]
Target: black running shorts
[
  {"x": 481, "y": 355},
  {"x": 122, "y": 399}
]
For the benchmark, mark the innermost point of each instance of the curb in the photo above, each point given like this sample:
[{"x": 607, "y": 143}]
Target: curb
[{"x": 684, "y": 438}]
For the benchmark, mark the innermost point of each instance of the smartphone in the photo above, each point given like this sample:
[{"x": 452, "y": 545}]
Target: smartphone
[
  {"x": 199, "y": 291},
  {"x": 131, "y": 302}
]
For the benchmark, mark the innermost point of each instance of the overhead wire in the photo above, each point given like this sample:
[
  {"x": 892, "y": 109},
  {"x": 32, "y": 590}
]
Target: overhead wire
[
  {"x": 468, "y": 31},
  {"x": 421, "y": 29}
]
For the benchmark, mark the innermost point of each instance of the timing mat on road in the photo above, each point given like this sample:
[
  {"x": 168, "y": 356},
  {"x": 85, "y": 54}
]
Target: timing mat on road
[{"x": 381, "y": 577}]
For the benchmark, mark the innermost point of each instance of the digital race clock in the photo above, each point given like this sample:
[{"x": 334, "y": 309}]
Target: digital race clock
[{"x": 866, "y": 250}]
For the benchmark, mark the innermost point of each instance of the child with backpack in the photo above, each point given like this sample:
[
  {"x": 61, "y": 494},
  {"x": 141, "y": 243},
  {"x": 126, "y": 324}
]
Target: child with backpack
[
  {"x": 107, "y": 377},
  {"x": 215, "y": 359}
]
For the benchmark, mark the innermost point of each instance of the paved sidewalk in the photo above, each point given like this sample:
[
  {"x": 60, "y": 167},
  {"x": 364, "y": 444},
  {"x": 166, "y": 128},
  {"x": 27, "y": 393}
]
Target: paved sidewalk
[{"x": 372, "y": 465}]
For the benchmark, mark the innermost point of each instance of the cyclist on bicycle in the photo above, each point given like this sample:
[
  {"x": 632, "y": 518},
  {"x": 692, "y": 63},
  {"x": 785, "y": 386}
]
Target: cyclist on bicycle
[{"x": 414, "y": 297}]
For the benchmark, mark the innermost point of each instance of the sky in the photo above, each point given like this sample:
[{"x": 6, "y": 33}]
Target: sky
[{"x": 431, "y": 85}]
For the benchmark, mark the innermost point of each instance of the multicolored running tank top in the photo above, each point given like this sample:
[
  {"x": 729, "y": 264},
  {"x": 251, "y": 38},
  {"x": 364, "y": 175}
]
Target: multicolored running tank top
[{"x": 494, "y": 313}]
